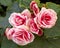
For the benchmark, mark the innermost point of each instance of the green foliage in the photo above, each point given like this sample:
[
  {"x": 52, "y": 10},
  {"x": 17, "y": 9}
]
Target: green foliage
[
  {"x": 53, "y": 6},
  {"x": 51, "y": 37},
  {"x": 1, "y": 8},
  {"x": 24, "y": 3},
  {"x": 8, "y": 44},
  {"x": 6, "y": 2}
]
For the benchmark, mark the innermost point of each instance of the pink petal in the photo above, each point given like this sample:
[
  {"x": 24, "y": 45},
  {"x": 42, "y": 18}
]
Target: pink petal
[
  {"x": 34, "y": 7},
  {"x": 9, "y": 32},
  {"x": 26, "y": 12}
]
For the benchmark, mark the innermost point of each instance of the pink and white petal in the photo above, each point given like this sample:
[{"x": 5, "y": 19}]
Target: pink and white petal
[
  {"x": 9, "y": 32},
  {"x": 40, "y": 33},
  {"x": 34, "y": 7},
  {"x": 26, "y": 12},
  {"x": 36, "y": 21}
]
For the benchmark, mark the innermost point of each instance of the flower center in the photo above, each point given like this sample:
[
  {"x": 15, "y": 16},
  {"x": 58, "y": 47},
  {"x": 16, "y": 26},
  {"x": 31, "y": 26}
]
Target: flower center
[
  {"x": 46, "y": 18},
  {"x": 19, "y": 20}
]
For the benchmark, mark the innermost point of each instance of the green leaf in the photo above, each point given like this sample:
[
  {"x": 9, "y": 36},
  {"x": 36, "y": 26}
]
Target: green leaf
[
  {"x": 2, "y": 31},
  {"x": 24, "y": 3},
  {"x": 8, "y": 44},
  {"x": 14, "y": 8},
  {"x": 43, "y": 43},
  {"x": 41, "y": 5},
  {"x": 54, "y": 31},
  {"x": 53, "y": 6},
  {"x": 1, "y": 9},
  {"x": 4, "y": 22},
  {"x": 6, "y": 2}
]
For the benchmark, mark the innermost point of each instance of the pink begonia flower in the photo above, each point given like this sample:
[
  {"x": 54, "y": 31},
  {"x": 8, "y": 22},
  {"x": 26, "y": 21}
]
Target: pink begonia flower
[
  {"x": 34, "y": 7},
  {"x": 47, "y": 18},
  {"x": 16, "y": 19},
  {"x": 33, "y": 27},
  {"x": 20, "y": 36},
  {"x": 26, "y": 12}
]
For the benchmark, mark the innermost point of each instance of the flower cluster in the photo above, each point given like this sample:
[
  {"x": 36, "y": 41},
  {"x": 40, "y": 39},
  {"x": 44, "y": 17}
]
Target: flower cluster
[{"x": 26, "y": 23}]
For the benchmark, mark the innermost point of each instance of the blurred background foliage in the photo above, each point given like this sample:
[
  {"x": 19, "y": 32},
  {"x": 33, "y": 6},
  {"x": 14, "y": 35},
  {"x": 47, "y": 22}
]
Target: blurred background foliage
[{"x": 51, "y": 37}]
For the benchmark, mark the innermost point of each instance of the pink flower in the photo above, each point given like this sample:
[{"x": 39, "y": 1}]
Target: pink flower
[
  {"x": 33, "y": 27},
  {"x": 47, "y": 18},
  {"x": 20, "y": 36},
  {"x": 16, "y": 19},
  {"x": 34, "y": 7},
  {"x": 26, "y": 12}
]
